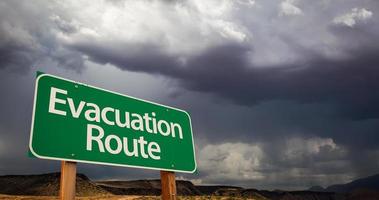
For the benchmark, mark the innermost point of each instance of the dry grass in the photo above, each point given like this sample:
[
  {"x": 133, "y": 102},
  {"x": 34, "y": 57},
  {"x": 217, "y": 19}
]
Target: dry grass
[
  {"x": 113, "y": 197},
  {"x": 12, "y": 197}
]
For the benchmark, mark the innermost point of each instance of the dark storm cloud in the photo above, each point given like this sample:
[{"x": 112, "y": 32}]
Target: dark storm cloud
[
  {"x": 18, "y": 49},
  {"x": 351, "y": 84},
  {"x": 15, "y": 54},
  {"x": 28, "y": 36},
  {"x": 345, "y": 83},
  {"x": 137, "y": 57},
  {"x": 348, "y": 81}
]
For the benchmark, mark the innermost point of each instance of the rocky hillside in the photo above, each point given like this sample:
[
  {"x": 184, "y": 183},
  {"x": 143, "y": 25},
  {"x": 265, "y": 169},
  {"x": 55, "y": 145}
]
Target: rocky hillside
[
  {"x": 45, "y": 185},
  {"x": 48, "y": 185}
]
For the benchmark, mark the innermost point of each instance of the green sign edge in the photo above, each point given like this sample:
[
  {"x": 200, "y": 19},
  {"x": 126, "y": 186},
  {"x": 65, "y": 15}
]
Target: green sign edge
[{"x": 41, "y": 74}]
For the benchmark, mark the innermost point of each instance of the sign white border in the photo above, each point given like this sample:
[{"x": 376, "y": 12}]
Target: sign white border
[{"x": 103, "y": 163}]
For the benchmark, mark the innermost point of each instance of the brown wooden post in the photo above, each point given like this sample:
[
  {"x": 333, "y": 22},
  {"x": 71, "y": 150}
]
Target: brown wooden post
[
  {"x": 68, "y": 180},
  {"x": 168, "y": 185}
]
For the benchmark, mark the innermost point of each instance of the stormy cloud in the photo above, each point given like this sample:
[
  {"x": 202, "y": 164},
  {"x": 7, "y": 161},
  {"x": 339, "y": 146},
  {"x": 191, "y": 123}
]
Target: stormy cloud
[{"x": 282, "y": 93}]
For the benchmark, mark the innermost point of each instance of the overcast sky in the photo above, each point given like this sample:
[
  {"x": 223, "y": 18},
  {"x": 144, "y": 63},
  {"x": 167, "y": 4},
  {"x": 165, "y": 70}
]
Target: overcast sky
[{"x": 282, "y": 93}]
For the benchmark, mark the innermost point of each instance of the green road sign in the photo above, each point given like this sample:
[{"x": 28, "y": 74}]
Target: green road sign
[{"x": 77, "y": 122}]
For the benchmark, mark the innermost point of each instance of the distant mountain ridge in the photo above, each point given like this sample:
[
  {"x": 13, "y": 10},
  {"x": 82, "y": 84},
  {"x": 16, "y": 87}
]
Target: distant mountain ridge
[
  {"x": 370, "y": 183},
  {"x": 316, "y": 189},
  {"x": 367, "y": 183}
]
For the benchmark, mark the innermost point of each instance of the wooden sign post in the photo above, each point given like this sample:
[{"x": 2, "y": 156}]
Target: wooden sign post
[
  {"x": 68, "y": 180},
  {"x": 168, "y": 185}
]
